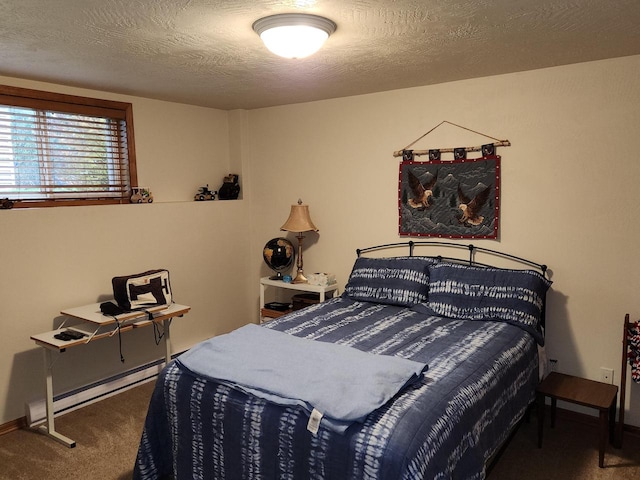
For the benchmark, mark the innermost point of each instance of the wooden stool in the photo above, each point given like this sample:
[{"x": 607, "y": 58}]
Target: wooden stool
[{"x": 588, "y": 393}]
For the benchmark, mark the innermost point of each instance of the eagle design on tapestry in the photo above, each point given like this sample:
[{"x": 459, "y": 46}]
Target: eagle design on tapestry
[
  {"x": 449, "y": 198},
  {"x": 421, "y": 194},
  {"x": 471, "y": 207}
]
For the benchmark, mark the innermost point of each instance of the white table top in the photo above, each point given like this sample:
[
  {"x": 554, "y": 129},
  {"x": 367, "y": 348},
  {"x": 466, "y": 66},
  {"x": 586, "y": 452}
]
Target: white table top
[
  {"x": 91, "y": 313},
  {"x": 304, "y": 287},
  {"x": 93, "y": 320}
]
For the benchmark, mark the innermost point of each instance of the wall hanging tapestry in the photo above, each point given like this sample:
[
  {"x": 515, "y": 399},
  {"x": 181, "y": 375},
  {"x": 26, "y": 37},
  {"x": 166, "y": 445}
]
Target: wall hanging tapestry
[
  {"x": 451, "y": 199},
  {"x": 459, "y": 198}
]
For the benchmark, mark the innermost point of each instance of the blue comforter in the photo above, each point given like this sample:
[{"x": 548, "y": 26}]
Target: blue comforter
[
  {"x": 336, "y": 383},
  {"x": 481, "y": 378}
]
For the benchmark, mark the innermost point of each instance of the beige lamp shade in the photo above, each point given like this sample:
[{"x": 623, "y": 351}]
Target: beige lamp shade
[{"x": 299, "y": 219}]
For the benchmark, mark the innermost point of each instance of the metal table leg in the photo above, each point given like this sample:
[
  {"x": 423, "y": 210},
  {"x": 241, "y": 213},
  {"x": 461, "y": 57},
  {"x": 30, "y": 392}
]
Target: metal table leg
[
  {"x": 167, "y": 340},
  {"x": 49, "y": 428}
]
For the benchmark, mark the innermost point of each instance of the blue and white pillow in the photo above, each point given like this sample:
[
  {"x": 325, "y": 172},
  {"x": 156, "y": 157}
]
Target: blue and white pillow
[
  {"x": 478, "y": 293},
  {"x": 402, "y": 281}
]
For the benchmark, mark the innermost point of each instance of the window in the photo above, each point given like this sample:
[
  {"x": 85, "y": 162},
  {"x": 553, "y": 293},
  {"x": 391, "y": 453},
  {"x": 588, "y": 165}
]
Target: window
[{"x": 64, "y": 150}]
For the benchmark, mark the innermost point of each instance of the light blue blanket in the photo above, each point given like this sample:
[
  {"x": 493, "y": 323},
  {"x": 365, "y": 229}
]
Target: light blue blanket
[{"x": 342, "y": 383}]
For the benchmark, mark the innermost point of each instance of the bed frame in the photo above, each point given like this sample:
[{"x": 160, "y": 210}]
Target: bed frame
[
  {"x": 454, "y": 252},
  {"x": 470, "y": 259},
  {"x": 472, "y": 250}
]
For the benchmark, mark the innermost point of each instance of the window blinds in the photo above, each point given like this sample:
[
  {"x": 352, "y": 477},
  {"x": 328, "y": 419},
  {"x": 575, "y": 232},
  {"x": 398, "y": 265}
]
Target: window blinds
[{"x": 61, "y": 151}]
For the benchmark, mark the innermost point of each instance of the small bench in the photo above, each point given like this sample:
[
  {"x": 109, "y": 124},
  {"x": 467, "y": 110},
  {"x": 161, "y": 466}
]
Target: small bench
[{"x": 588, "y": 393}]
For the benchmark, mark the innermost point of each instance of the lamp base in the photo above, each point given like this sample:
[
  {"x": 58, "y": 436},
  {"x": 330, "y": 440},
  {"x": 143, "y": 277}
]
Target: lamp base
[{"x": 300, "y": 278}]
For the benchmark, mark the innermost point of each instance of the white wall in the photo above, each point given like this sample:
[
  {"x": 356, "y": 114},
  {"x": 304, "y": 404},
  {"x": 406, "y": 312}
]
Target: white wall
[
  {"x": 568, "y": 200},
  {"x": 55, "y": 258},
  {"x": 569, "y": 184}
]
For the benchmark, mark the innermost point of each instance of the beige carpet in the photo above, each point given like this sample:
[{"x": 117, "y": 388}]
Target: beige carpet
[
  {"x": 569, "y": 451},
  {"x": 107, "y": 435}
]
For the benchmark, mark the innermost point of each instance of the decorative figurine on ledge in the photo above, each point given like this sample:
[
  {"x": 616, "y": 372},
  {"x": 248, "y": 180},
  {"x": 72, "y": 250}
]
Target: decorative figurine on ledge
[
  {"x": 141, "y": 195},
  {"x": 230, "y": 188},
  {"x": 205, "y": 194},
  {"x": 6, "y": 204}
]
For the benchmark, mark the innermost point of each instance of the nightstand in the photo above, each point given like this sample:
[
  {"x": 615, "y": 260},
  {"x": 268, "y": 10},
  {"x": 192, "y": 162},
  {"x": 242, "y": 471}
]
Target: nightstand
[
  {"x": 266, "y": 282},
  {"x": 588, "y": 393}
]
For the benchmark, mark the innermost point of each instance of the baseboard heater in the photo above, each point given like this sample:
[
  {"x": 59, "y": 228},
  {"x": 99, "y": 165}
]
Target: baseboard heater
[{"x": 36, "y": 411}]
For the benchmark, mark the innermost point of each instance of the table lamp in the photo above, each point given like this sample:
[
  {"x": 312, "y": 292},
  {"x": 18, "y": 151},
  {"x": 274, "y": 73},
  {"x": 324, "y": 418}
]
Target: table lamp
[{"x": 299, "y": 222}]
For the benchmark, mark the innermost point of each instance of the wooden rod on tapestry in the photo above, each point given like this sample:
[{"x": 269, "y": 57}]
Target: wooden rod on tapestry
[
  {"x": 434, "y": 154},
  {"x": 479, "y": 148}
]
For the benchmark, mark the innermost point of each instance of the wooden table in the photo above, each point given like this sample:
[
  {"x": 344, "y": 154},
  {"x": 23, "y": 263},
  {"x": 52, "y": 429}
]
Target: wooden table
[{"x": 588, "y": 393}]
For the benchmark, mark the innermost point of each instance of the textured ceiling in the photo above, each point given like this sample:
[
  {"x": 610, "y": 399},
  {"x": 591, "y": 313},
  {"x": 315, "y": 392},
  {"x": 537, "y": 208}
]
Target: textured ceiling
[{"x": 204, "y": 52}]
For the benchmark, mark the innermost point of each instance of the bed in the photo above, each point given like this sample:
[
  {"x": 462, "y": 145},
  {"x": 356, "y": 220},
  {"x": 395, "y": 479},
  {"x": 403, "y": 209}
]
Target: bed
[{"x": 476, "y": 329}]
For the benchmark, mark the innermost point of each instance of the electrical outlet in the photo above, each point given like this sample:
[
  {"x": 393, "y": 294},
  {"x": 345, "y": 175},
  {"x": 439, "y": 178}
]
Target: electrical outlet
[
  {"x": 554, "y": 364},
  {"x": 606, "y": 375}
]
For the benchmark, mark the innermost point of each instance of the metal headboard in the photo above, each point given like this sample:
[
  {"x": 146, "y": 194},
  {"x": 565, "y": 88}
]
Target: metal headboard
[{"x": 470, "y": 260}]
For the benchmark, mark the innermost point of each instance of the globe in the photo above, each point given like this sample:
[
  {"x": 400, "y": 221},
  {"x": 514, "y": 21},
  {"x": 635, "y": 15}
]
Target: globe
[{"x": 278, "y": 254}]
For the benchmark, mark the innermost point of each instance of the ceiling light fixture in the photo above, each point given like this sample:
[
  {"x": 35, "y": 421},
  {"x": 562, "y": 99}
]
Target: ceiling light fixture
[{"x": 294, "y": 35}]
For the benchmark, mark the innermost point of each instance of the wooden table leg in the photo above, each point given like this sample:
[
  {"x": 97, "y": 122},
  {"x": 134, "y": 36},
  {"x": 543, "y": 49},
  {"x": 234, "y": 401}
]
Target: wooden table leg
[
  {"x": 612, "y": 422},
  {"x": 554, "y": 402},
  {"x": 540, "y": 418},
  {"x": 604, "y": 427}
]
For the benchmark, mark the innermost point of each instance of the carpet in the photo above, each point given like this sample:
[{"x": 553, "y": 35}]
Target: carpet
[{"x": 107, "y": 434}]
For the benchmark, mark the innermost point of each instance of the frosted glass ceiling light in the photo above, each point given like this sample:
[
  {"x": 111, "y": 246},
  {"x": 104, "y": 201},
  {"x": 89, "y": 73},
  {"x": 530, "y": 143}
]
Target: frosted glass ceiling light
[{"x": 294, "y": 35}]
